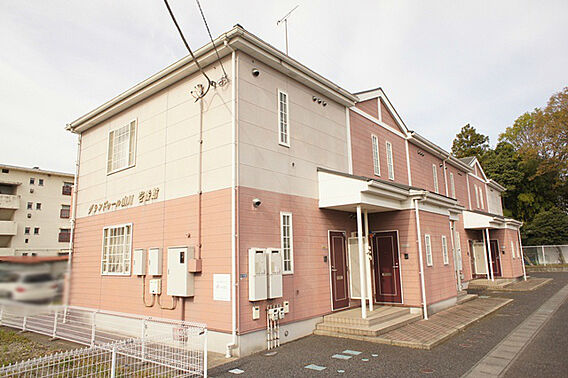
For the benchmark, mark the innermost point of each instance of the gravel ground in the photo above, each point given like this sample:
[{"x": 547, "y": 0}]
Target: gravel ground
[{"x": 450, "y": 359}]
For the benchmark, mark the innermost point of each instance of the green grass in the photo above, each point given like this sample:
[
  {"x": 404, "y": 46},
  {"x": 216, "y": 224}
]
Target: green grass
[{"x": 15, "y": 346}]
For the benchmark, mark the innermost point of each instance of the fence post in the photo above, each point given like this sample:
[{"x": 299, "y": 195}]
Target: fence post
[
  {"x": 144, "y": 327},
  {"x": 24, "y": 323},
  {"x": 54, "y": 336},
  {"x": 205, "y": 354},
  {"x": 93, "y": 328},
  {"x": 543, "y": 255},
  {"x": 113, "y": 363},
  {"x": 1, "y": 313}
]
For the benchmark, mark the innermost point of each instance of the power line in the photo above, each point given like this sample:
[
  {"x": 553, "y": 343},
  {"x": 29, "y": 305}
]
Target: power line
[
  {"x": 202, "y": 94},
  {"x": 210, "y": 37}
]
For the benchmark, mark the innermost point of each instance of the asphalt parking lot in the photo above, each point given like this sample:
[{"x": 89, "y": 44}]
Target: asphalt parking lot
[{"x": 544, "y": 356}]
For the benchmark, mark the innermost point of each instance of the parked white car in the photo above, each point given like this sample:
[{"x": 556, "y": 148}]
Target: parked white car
[{"x": 27, "y": 286}]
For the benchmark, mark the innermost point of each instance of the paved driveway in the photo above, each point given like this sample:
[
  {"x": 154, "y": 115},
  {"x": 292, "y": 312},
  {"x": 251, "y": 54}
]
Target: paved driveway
[{"x": 545, "y": 356}]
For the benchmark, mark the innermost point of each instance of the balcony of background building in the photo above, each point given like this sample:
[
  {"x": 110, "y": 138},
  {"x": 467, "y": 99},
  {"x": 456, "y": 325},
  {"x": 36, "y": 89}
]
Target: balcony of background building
[
  {"x": 6, "y": 251},
  {"x": 8, "y": 228},
  {"x": 9, "y": 202}
]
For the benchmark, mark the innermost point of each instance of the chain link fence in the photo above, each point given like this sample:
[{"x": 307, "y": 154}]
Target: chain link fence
[
  {"x": 546, "y": 254},
  {"x": 118, "y": 344}
]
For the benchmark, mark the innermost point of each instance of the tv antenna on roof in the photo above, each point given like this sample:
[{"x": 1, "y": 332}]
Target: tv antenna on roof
[{"x": 285, "y": 21}]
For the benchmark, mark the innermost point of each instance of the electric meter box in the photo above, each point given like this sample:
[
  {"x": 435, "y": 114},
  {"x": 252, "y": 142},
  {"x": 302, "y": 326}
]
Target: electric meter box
[
  {"x": 180, "y": 281},
  {"x": 156, "y": 286},
  {"x": 275, "y": 262},
  {"x": 258, "y": 278},
  {"x": 155, "y": 261},
  {"x": 139, "y": 262}
]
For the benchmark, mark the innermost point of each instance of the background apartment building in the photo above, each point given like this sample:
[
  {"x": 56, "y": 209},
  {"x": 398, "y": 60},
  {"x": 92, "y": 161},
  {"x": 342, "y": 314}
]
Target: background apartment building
[{"x": 34, "y": 211}]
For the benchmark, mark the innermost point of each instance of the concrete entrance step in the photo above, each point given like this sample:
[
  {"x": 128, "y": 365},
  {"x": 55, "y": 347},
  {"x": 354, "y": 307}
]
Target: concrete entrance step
[
  {"x": 380, "y": 321},
  {"x": 462, "y": 298}
]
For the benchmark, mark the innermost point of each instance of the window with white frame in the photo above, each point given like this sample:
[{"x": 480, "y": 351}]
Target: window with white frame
[
  {"x": 481, "y": 197},
  {"x": 435, "y": 175},
  {"x": 428, "y": 247},
  {"x": 476, "y": 195},
  {"x": 117, "y": 246},
  {"x": 283, "y": 119},
  {"x": 452, "y": 186},
  {"x": 512, "y": 249},
  {"x": 287, "y": 242},
  {"x": 445, "y": 250},
  {"x": 376, "y": 165},
  {"x": 458, "y": 250},
  {"x": 390, "y": 164},
  {"x": 519, "y": 251},
  {"x": 121, "y": 147}
]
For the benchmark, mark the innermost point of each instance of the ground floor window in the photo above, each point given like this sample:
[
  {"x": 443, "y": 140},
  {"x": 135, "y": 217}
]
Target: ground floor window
[
  {"x": 286, "y": 237},
  {"x": 117, "y": 246},
  {"x": 428, "y": 246}
]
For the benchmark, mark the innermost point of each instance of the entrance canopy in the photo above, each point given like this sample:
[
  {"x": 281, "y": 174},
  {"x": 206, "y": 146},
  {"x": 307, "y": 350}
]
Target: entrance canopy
[
  {"x": 345, "y": 192},
  {"x": 477, "y": 220}
]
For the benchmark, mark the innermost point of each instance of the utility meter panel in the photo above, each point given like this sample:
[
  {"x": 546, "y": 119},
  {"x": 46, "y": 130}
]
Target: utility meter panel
[
  {"x": 258, "y": 284},
  {"x": 155, "y": 261},
  {"x": 139, "y": 262},
  {"x": 180, "y": 282},
  {"x": 275, "y": 263}
]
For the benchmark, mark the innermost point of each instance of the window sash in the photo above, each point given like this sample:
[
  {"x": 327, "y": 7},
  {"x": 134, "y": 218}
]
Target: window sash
[
  {"x": 452, "y": 186},
  {"x": 435, "y": 176},
  {"x": 445, "y": 250},
  {"x": 116, "y": 251},
  {"x": 375, "y": 147},
  {"x": 390, "y": 164},
  {"x": 477, "y": 196},
  {"x": 121, "y": 151},
  {"x": 512, "y": 249},
  {"x": 481, "y": 197},
  {"x": 283, "y": 119},
  {"x": 428, "y": 245},
  {"x": 287, "y": 242}
]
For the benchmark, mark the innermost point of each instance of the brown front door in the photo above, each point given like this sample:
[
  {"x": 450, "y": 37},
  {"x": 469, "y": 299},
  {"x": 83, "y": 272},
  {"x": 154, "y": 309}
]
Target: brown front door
[
  {"x": 338, "y": 257},
  {"x": 386, "y": 267},
  {"x": 496, "y": 257}
]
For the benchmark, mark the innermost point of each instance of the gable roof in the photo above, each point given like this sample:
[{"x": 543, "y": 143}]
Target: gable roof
[{"x": 467, "y": 160}]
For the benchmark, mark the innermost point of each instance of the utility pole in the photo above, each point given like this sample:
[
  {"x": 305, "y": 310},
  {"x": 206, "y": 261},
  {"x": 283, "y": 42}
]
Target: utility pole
[{"x": 285, "y": 21}]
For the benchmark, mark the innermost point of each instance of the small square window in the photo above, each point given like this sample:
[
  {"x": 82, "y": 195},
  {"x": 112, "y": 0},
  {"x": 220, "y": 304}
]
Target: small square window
[
  {"x": 40, "y": 182},
  {"x": 27, "y": 231},
  {"x": 36, "y": 231},
  {"x": 27, "y": 241},
  {"x": 38, "y": 206},
  {"x": 5, "y": 170},
  {"x": 32, "y": 181},
  {"x": 30, "y": 205}
]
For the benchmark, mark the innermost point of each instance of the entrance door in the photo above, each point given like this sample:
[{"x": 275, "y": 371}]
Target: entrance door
[
  {"x": 496, "y": 257},
  {"x": 339, "y": 285},
  {"x": 386, "y": 267}
]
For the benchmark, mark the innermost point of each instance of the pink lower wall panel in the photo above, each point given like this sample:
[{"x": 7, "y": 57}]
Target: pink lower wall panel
[
  {"x": 163, "y": 225},
  {"x": 510, "y": 267}
]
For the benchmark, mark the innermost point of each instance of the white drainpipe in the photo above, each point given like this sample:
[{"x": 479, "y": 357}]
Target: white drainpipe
[
  {"x": 421, "y": 260},
  {"x": 361, "y": 262},
  {"x": 488, "y": 244},
  {"x": 73, "y": 218},
  {"x": 522, "y": 254},
  {"x": 368, "y": 262}
]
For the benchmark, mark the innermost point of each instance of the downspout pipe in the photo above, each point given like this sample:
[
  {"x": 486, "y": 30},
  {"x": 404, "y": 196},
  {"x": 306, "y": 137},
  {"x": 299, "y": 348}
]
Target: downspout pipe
[
  {"x": 234, "y": 283},
  {"x": 362, "y": 259},
  {"x": 489, "y": 253},
  {"x": 73, "y": 220},
  {"x": 421, "y": 259},
  {"x": 522, "y": 254}
]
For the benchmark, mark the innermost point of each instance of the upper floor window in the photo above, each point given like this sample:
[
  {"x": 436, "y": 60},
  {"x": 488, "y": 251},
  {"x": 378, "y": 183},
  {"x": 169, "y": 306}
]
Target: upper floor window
[
  {"x": 32, "y": 181},
  {"x": 27, "y": 232},
  {"x": 286, "y": 237},
  {"x": 435, "y": 175},
  {"x": 121, "y": 146},
  {"x": 117, "y": 245},
  {"x": 376, "y": 165},
  {"x": 30, "y": 205},
  {"x": 390, "y": 164},
  {"x": 67, "y": 188},
  {"x": 476, "y": 195},
  {"x": 36, "y": 231},
  {"x": 40, "y": 182},
  {"x": 64, "y": 235},
  {"x": 512, "y": 249},
  {"x": 445, "y": 250},
  {"x": 428, "y": 248},
  {"x": 38, "y": 206},
  {"x": 452, "y": 186},
  {"x": 65, "y": 211},
  {"x": 283, "y": 119},
  {"x": 5, "y": 170},
  {"x": 481, "y": 197}
]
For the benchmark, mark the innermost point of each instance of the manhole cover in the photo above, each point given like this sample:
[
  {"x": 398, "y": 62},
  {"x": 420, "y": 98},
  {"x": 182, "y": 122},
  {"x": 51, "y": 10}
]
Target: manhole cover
[{"x": 426, "y": 371}]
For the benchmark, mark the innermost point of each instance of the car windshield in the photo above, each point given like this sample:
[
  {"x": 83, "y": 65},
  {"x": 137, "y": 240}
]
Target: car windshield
[
  {"x": 37, "y": 278},
  {"x": 8, "y": 277}
]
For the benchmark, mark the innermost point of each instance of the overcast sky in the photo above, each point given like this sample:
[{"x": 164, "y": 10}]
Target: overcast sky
[{"x": 442, "y": 63}]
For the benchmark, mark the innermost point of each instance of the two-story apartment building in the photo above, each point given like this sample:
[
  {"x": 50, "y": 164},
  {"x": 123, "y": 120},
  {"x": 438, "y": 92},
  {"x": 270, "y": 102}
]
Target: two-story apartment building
[
  {"x": 35, "y": 206},
  {"x": 275, "y": 187}
]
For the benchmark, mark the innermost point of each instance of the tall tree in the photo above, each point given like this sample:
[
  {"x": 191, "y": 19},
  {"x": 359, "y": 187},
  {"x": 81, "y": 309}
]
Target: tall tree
[{"x": 468, "y": 142}]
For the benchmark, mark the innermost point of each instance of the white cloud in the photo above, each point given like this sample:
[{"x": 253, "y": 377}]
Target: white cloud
[{"x": 442, "y": 63}]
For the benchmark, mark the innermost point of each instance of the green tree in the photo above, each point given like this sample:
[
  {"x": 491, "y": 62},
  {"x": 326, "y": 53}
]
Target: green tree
[
  {"x": 468, "y": 142},
  {"x": 549, "y": 227}
]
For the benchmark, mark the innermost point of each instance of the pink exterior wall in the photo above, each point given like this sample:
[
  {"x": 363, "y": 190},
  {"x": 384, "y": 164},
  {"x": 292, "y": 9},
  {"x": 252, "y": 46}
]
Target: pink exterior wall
[
  {"x": 466, "y": 262},
  {"x": 510, "y": 267},
  {"x": 440, "y": 279},
  {"x": 370, "y": 107},
  {"x": 474, "y": 181},
  {"x": 163, "y": 224},
  {"x": 388, "y": 118},
  {"x": 460, "y": 182},
  {"x": 421, "y": 169},
  {"x": 405, "y": 223},
  {"x": 308, "y": 288},
  {"x": 362, "y": 150}
]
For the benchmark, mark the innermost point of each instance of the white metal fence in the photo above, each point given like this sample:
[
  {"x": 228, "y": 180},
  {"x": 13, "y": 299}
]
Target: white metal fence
[
  {"x": 546, "y": 254},
  {"x": 152, "y": 346}
]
